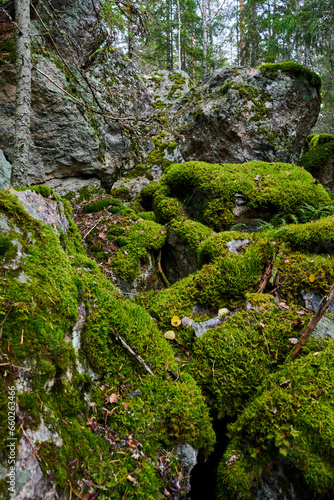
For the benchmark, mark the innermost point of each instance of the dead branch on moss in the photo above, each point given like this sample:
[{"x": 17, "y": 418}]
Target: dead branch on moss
[
  {"x": 308, "y": 330},
  {"x": 128, "y": 348}
]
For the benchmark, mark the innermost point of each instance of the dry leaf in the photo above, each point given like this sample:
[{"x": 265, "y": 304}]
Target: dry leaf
[
  {"x": 102, "y": 236},
  {"x": 312, "y": 278},
  {"x": 113, "y": 398},
  {"x": 170, "y": 335}
]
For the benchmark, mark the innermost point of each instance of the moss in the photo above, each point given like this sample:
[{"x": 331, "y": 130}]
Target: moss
[
  {"x": 319, "y": 139},
  {"x": 37, "y": 319},
  {"x": 144, "y": 236},
  {"x": 5, "y": 244},
  {"x": 158, "y": 104},
  {"x": 217, "y": 215},
  {"x": 121, "y": 192},
  {"x": 290, "y": 421},
  {"x": 199, "y": 188},
  {"x": 177, "y": 78},
  {"x": 125, "y": 58},
  {"x": 147, "y": 216},
  {"x": 98, "y": 205},
  {"x": 292, "y": 69},
  {"x": 321, "y": 152}
]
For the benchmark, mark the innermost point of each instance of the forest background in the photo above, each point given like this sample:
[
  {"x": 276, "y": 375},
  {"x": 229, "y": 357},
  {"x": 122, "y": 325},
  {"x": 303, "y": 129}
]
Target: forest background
[{"x": 199, "y": 36}]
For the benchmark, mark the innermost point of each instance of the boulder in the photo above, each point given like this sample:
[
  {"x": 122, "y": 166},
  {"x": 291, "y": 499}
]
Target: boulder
[
  {"x": 68, "y": 139},
  {"x": 243, "y": 114}
]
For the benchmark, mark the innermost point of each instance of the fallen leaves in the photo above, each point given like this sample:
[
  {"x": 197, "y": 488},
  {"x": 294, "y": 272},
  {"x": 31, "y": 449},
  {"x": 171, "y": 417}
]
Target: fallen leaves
[
  {"x": 170, "y": 335},
  {"x": 176, "y": 321}
]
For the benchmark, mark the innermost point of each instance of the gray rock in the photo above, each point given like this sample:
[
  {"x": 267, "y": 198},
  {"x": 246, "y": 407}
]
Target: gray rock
[
  {"x": 67, "y": 140},
  {"x": 234, "y": 246},
  {"x": 5, "y": 171},
  {"x": 325, "y": 328},
  {"x": 76, "y": 189},
  {"x": 312, "y": 301},
  {"x": 239, "y": 114},
  {"x": 188, "y": 455},
  {"x": 201, "y": 328},
  {"x": 30, "y": 481},
  {"x": 43, "y": 209}
]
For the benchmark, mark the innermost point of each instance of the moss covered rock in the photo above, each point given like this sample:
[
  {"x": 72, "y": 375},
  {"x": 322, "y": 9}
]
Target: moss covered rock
[
  {"x": 319, "y": 158},
  {"x": 82, "y": 397},
  {"x": 244, "y": 114}
]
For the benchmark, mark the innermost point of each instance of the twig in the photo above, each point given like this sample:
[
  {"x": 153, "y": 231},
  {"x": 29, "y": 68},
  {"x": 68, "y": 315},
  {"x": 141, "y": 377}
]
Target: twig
[
  {"x": 161, "y": 271},
  {"x": 267, "y": 273},
  {"x": 308, "y": 330},
  {"x": 91, "y": 229},
  {"x": 128, "y": 348}
]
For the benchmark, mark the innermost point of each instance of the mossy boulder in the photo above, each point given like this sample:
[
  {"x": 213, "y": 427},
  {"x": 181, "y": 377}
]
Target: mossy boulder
[
  {"x": 319, "y": 158},
  {"x": 208, "y": 193},
  {"x": 242, "y": 114},
  {"x": 82, "y": 398}
]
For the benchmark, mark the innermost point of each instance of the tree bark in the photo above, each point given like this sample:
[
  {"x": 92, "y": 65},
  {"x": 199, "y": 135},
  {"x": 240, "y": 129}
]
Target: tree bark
[
  {"x": 168, "y": 48},
  {"x": 242, "y": 34},
  {"x": 21, "y": 162},
  {"x": 179, "y": 35},
  {"x": 205, "y": 35}
]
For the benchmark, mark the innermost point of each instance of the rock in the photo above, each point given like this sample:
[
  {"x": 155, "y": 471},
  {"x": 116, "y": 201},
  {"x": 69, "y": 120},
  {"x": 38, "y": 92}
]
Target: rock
[
  {"x": 67, "y": 140},
  {"x": 5, "y": 171},
  {"x": 43, "y": 209},
  {"x": 178, "y": 259},
  {"x": 325, "y": 328},
  {"x": 242, "y": 114},
  {"x": 76, "y": 189},
  {"x": 187, "y": 321},
  {"x": 188, "y": 454},
  {"x": 83, "y": 26},
  {"x": 319, "y": 158},
  {"x": 30, "y": 481},
  {"x": 312, "y": 301},
  {"x": 204, "y": 326},
  {"x": 234, "y": 246},
  {"x": 167, "y": 87}
]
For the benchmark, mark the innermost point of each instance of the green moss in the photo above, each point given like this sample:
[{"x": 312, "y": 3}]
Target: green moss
[
  {"x": 206, "y": 190},
  {"x": 98, "y": 205},
  {"x": 121, "y": 192},
  {"x": 292, "y": 69},
  {"x": 321, "y": 152},
  {"x": 37, "y": 319},
  {"x": 319, "y": 139},
  {"x": 5, "y": 244},
  {"x": 147, "y": 216},
  {"x": 290, "y": 421},
  {"x": 177, "y": 78}
]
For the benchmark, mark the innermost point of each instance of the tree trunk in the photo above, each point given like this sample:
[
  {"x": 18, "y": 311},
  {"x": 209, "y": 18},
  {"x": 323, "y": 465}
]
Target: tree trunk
[
  {"x": 298, "y": 47},
  {"x": 168, "y": 49},
  {"x": 21, "y": 162},
  {"x": 255, "y": 37},
  {"x": 205, "y": 35},
  {"x": 179, "y": 35},
  {"x": 242, "y": 34}
]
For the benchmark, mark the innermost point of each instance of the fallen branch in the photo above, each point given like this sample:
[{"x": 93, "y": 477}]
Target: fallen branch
[
  {"x": 128, "y": 348},
  {"x": 308, "y": 330},
  {"x": 267, "y": 273}
]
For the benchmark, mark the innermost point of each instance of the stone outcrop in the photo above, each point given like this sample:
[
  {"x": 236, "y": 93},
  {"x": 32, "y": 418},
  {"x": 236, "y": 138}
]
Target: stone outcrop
[
  {"x": 243, "y": 114},
  {"x": 68, "y": 140},
  {"x": 5, "y": 171}
]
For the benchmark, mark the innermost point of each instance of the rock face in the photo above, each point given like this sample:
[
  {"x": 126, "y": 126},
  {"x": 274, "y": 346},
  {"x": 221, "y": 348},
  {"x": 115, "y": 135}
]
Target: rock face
[
  {"x": 67, "y": 140},
  {"x": 243, "y": 114}
]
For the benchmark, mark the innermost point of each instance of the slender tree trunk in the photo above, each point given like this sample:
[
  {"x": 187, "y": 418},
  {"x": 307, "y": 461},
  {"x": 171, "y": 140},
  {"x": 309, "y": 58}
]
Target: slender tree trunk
[
  {"x": 298, "y": 47},
  {"x": 255, "y": 37},
  {"x": 179, "y": 35},
  {"x": 192, "y": 58},
  {"x": 169, "y": 63},
  {"x": 205, "y": 35},
  {"x": 21, "y": 162},
  {"x": 242, "y": 34}
]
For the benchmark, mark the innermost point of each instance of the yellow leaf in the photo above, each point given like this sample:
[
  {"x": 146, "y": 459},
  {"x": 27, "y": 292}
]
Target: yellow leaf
[
  {"x": 176, "y": 321},
  {"x": 170, "y": 335},
  {"x": 312, "y": 278}
]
